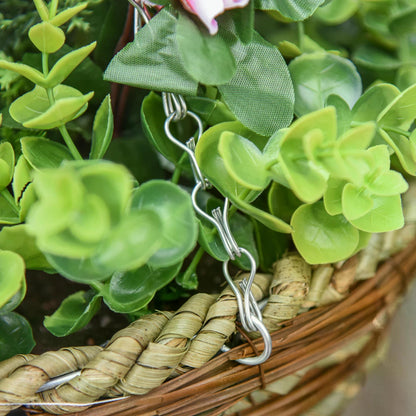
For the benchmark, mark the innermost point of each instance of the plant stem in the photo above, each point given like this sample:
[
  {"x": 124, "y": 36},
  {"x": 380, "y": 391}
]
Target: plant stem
[
  {"x": 9, "y": 198},
  {"x": 301, "y": 35},
  {"x": 194, "y": 264},
  {"x": 397, "y": 130},
  {"x": 63, "y": 130},
  {"x": 98, "y": 287},
  {"x": 178, "y": 169}
]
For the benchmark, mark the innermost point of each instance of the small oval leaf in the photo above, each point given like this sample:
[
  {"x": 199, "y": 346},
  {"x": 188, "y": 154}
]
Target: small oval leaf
[{"x": 47, "y": 37}]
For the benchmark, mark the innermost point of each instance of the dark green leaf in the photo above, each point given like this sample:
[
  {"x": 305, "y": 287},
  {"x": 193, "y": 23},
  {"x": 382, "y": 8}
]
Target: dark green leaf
[
  {"x": 337, "y": 11},
  {"x": 293, "y": 9},
  {"x": 371, "y": 57},
  {"x": 73, "y": 314},
  {"x": 102, "y": 132}
]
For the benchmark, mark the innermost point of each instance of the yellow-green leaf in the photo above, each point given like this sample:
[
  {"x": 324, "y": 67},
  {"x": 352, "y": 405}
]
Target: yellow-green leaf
[
  {"x": 47, "y": 37},
  {"x": 67, "y": 14},
  {"x": 26, "y": 71}
]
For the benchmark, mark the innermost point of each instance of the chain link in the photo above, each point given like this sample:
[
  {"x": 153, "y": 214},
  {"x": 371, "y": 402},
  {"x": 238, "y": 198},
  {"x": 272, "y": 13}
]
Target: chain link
[{"x": 250, "y": 316}]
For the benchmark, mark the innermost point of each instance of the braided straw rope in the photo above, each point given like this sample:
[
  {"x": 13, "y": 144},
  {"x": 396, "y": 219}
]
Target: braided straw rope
[{"x": 317, "y": 345}]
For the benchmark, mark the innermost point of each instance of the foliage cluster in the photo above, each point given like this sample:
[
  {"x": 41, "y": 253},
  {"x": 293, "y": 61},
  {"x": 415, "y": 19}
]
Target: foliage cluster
[{"x": 290, "y": 138}]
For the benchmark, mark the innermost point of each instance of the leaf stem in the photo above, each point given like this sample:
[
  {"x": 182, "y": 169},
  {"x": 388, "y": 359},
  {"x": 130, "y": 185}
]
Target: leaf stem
[
  {"x": 9, "y": 198},
  {"x": 98, "y": 287},
  {"x": 178, "y": 169},
  {"x": 397, "y": 130},
  {"x": 301, "y": 35},
  {"x": 63, "y": 130},
  {"x": 194, "y": 264}
]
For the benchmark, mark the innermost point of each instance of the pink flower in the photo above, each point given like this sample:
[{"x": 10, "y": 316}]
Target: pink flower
[{"x": 206, "y": 10}]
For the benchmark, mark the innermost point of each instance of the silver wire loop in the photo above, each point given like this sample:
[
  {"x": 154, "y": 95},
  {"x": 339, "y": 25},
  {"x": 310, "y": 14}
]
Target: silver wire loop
[
  {"x": 139, "y": 15},
  {"x": 174, "y": 103}
]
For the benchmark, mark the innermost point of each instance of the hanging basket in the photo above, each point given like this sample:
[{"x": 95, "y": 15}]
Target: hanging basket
[{"x": 318, "y": 361}]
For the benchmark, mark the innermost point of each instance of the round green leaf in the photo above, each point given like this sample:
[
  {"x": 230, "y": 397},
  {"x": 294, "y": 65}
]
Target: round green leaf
[
  {"x": 355, "y": 202},
  {"x": 320, "y": 237},
  {"x": 73, "y": 314},
  {"x": 132, "y": 242},
  {"x": 337, "y": 11},
  {"x": 128, "y": 292},
  {"x": 15, "y": 335},
  {"x": 207, "y": 58},
  {"x": 12, "y": 274},
  {"x": 47, "y": 37},
  {"x": 15, "y": 300},
  {"x": 369, "y": 56},
  {"x": 174, "y": 208},
  {"x": 318, "y": 75}
]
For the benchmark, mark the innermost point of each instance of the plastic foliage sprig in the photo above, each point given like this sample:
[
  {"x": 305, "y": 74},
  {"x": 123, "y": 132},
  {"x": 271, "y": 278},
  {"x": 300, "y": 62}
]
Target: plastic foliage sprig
[{"x": 51, "y": 104}]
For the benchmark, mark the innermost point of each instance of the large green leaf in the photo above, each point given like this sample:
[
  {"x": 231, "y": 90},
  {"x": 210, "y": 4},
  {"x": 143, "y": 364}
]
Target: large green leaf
[
  {"x": 102, "y": 132},
  {"x": 15, "y": 335},
  {"x": 179, "y": 230},
  {"x": 293, "y": 9},
  {"x": 318, "y": 75},
  {"x": 207, "y": 58},
  {"x": 12, "y": 274},
  {"x": 131, "y": 244},
  {"x": 265, "y": 105},
  {"x": 131, "y": 291},
  {"x": 34, "y": 110},
  {"x": 73, "y": 314},
  {"x": 18, "y": 240},
  {"x": 43, "y": 153},
  {"x": 47, "y": 37},
  {"x": 320, "y": 237},
  {"x": 152, "y": 60}
]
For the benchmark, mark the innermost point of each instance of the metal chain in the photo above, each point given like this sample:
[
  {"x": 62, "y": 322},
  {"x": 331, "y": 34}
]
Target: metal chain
[{"x": 249, "y": 312}]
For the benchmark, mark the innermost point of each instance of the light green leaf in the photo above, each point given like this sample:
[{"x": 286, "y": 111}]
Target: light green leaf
[
  {"x": 355, "y": 202},
  {"x": 26, "y": 71},
  {"x": 293, "y": 9},
  {"x": 318, "y": 75},
  {"x": 207, "y": 58},
  {"x": 386, "y": 215},
  {"x": 344, "y": 116},
  {"x": 42, "y": 9},
  {"x": 321, "y": 238},
  {"x": 22, "y": 177},
  {"x": 43, "y": 153},
  {"x": 401, "y": 112},
  {"x": 357, "y": 138},
  {"x": 373, "y": 102},
  {"x": 131, "y": 291},
  {"x": 67, "y": 14},
  {"x": 73, "y": 314},
  {"x": 47, "y": 37},
  {"x": 12, "y": 274},
  {"x": 53, "y": 8},
  {"x": 265, "y": 105},
  {"x": 33, "y": 109},
  {"x": 337, "y": 11},
  {"x": 387, "y": 184},
  {"x": 63, "y": 68},
  {"x": 15, "y": 300},
  {"x": 102, "y": 129},
  {"x": 9, "y": 211},
  {"x": 131, "y": 244},
  {"x": 6, "y": 164},
  {"x": 244, "y": 161},
  {"x": 15, "y": 335},
  {"x": 173, "y": 206},
  {"x": 18, "y": 240},
  {"x": 333, "y": 196},
  {"x": 405, "y": 77}
]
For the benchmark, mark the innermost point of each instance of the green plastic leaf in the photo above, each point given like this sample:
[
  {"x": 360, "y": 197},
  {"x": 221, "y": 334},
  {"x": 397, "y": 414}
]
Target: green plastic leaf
[
  {"x": 47, "y": 37},
  {"x": 373, "y": 102},
  {"x": 282, "y": 201},
  {"x": 403, "y": 22},
  {"x": 15, "y": 335},
  {"x": 131, "y": 244},
  {"x": 26, "y": 71},
  {"x": 33, "y": 109},
  {"x": 9, "y": 211},
  {"x": 12, "y": 274},
  {"x": 211, "y": 111},
  {"x": 293, "y": 9},
  {"x": 266, "y": 105},
  {"x": 6, "y": 164},
  {"x": 73, "y": 314},
  {"x": 67, "y": 14},
  {"x": 42, "y": 9},
  {"x": 63, "y": 68},
  {"x": 321, "y": 238},
  {"x": 318, "y": 75},
  {"x": 207, "y": 58},
  {"x": 369, "y": 56},
  {"x": 386, "y": 215},
  {"x": 53, "y": 8},
  {"x": 344, "y": 116},
  {"x": 173, "y": 206},
  {"x": 131, "y": 291},
  {"x": 333, "y": 196},
  {"x": 102, "y": 132},
  {"x": 152, "y": 60},
  {"x": 78, "y": 270},
  {"x": 43, "y": 153},
  {"x": 337, "y": 11},
  {"x": 18, "y": 240},
  {"x": 406, "y": 77},
  {"x": 401, "y": 112},
  {"x": 244, "y": 161},
  {"x": 355, "y": 202},
  {"x": 21, "y": 179},
  {"x": 389, "y": 183},
  {"x": 15, "y": 300},
  {"x": 243, "y": 19}
]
